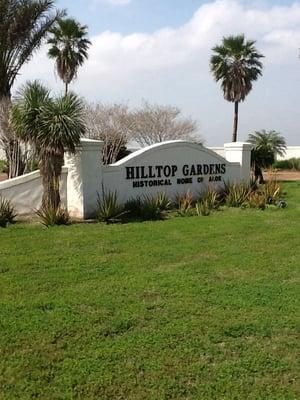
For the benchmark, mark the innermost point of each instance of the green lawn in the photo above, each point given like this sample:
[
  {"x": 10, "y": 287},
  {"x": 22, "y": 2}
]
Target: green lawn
[{"x": 188, "y": 308}]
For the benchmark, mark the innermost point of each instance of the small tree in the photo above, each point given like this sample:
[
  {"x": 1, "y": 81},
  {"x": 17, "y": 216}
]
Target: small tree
[
  {"x": 155, "y": 123},
  {"x": 267, "y": 144},
  {"x": 51, "y": 126},
  {"x": 111, "y": 123},
  {"x": 69, "y": 48},
  {"x": 236, "y": 63}
]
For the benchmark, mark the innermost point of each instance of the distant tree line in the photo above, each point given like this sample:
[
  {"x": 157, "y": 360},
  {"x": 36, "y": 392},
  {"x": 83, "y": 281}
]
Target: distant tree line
[{"x": 117, "y": 126}]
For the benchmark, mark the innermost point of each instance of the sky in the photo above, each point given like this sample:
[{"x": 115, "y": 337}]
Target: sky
[{"x": 159, "y": 51}]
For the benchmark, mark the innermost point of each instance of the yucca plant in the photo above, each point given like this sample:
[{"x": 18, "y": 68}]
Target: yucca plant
[
  {"x": 7, "y": 213},
  {"x": 108, "y": 208},
  {"x": 52, "y": 126},
  {"x": 51, "y": 216}
]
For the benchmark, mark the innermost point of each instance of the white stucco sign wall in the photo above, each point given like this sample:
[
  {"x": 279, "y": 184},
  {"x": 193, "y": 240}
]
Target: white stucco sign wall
[{"x": 174, "y": 168}]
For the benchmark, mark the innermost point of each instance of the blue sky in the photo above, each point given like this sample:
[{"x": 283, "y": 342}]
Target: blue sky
[
  {"x": 159, "y": 50},
  {"x": 139, "y": 15}
]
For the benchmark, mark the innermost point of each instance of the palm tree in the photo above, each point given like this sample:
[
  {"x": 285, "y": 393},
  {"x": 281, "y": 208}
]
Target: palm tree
[
  {"x": 236, "y": 63},
  {"x": 51, "y": 126},
  {"x": 69, "y": 48},
  {"x": 23, "y": 26},
  {"x": 266, "y": 145}
]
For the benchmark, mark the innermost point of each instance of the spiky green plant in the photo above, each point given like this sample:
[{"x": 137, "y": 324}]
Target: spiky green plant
[
  {"x": 51, "y": 216},
  {"x": 7, "y": 212},
  {"x": 108, "y": 208}
]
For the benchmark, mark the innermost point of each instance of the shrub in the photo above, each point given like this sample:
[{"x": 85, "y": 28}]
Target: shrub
[
  {"x": 185, "y": 204},
  {"x": 271, "y": 191},
  {"x": 3, "y": 167},
  {"x": 134, "y": 207},
  {"x": 108, "y": 209},
  {"x": 51, "y": 216},
  {"x": 7, "y": 213},
  {"x": 150, "y": 209},
  {"x": 236, "y": 194},
  {"x": 292, "y": 163}
]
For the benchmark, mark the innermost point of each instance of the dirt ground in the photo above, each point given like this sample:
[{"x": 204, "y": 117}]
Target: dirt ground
[{"x": 284, "y": 175}]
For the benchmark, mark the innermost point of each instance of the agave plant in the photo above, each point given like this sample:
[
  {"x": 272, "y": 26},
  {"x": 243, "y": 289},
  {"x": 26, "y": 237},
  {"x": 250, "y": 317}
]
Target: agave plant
[
  {"x": 7, "y": 213},
  {"x": 51, "y": 216},
  {"x": 108, "y": 208}
]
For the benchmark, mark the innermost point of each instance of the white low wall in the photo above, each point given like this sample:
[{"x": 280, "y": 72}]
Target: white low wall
[
  {"x": 2, "y": 154},
  {"x": 25, "y": 192},
  {"x": 291, "y": 152}
]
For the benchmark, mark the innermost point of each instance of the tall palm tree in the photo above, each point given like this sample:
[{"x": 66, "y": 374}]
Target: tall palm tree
[
  {"x": 51, "y": 126},
  {"x": 69, "y": 48},
  {"x": 23, "y": 26},
  {"x": 236, "y": 63},
  {"x": 266, "y": 145}
]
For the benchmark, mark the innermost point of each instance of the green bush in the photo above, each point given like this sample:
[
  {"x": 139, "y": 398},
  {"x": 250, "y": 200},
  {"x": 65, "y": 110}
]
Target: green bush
[
  {"x": 7, "y": 213},
  {"x": 51, "y": 216},
  {"x": 3, "y": 167},
  {"x": 150, "y": 209},
  {"x": 291, "y": 164},
  {"x": 134, "y": 207},
  {"x": 108, "y": 208}
]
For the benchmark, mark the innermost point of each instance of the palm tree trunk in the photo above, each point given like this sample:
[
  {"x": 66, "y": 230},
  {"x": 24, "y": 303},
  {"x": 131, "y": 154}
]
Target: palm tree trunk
[
  {"x": 51, "y": 167},
  {"x": 66, "y": 88},
  {"x": 236, "y": 121}
]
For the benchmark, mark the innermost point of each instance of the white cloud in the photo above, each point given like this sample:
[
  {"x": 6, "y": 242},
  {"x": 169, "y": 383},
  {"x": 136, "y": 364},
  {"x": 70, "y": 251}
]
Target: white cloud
[{"x": 172, "y": 66}]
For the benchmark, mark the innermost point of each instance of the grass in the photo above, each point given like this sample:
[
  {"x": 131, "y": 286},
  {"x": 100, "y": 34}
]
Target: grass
[{"x": 188, "y": 308}]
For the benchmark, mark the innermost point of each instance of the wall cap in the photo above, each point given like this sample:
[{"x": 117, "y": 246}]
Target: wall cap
[{"x": 238, "y": 146}]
